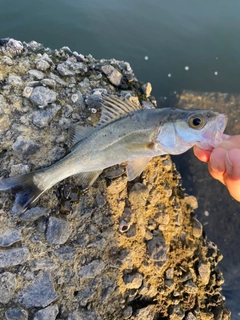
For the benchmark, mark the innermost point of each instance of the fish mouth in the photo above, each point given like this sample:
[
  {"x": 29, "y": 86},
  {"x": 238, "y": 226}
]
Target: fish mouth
[
  {"x": 221, "y": 123},
  {"x": 214, "y": 135}
]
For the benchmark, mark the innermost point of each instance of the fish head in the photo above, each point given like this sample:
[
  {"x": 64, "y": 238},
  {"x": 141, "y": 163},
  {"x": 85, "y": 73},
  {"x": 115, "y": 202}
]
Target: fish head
[{"x": 203, "y": 128}]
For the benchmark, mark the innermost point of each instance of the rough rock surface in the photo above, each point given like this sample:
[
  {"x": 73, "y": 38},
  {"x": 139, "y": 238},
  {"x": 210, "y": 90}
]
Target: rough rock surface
[{"x": 118, "y": 251}]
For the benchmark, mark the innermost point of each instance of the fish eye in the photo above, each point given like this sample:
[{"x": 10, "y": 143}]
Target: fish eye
[{"x": 196, "y": 122}]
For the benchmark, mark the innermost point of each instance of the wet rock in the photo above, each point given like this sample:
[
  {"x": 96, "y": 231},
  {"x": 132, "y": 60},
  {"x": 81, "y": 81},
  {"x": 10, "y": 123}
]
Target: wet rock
[
  {"x": 43, "y": 264},
  {"x": 147, "y": 313},
  {"x": 38, "y": 294},
  {"x": 4, "y": 123},
  {"x": 36, "y": 74},
  {"x": 87, "y": 294},
  {"x": 15, "y": 81},
  {"x": 114, "y": 172},
  {"x": 16, "y": 314},
  {"x": 42, "y": 118},
  {"x": 176, "y": 313},
  {"x": 157, "y": 248},
  {"x": 190, "y": 287},
  {"x": 138, "y": 194},
  {"x": 34, "y": 46},
  {"x": 190, "y": 316},
  {"x": 133, "y": 280},
  {"x": 114, "y": 76},
  {"x": 204, "y": 272},
  {"x": 34, "y": 213},
  {"x": 169, "y": 274},
  {"x": 13, "y": 257},
  {"x": 147, "y": 89},
  {"x": 197, "y": 228},
  {"x": 57, "y": 79},
  {"x": 9, "y": 236},
  {"x": 127, "y": 312},
  {"x": 49, "y": 313},
  {"x": 25, "y": 146},
  {"x": 92, "y": 269},
  {"x": 84, "y": 315},
  {"x": 167, "y": 164},
  {"x": 101, "y": 201},
  {"x": 58, "y": 230},
  {"x": 8, "y": 61},
  {"x": 192, "y": 202},
  {"x": 66, "y": 254},
  {"x": 42, "y": 96},
  {"x": 94, "y": 101},
  {"x": 7, "y": 286},
  {"x": 46, "y": 57},
  {"x": 100, "y": 91},
  {"x": 71, "y": 67},
  {"x": 33, "y": 84},
  {"x": 42, "y": 65},
  {"x": 18, "y": 169},
  {"x": 11, "y": 46},
  {"x": 162, "y": 218},
  {"x": 49, "y": 83},
  {"x": 107, "y": 288}
]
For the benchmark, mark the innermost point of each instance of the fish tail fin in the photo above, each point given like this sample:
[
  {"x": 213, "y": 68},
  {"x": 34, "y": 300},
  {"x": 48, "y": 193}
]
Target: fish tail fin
[{"x": 24, "y": 188}]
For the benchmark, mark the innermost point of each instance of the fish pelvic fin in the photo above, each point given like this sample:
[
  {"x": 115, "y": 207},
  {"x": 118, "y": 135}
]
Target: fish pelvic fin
[
  {"x": 136, "y": 167},
  {"x": 88, "y": 178},
  {"x": 24, "y": 188}
]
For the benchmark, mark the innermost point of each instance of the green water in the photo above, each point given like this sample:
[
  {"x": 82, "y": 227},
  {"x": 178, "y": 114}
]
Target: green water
[
  {"x": 203, "y": 35},
  {"x": 158, "y": 37}
]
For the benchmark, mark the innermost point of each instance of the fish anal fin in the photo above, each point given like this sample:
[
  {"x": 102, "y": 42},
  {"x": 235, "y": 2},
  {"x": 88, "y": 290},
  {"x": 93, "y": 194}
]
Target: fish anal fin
[
  {"x": 136, "y": 167},
  {"x": 78, "y": 132},
  {"x": 115, "y": 107},
  {"x": 88, "y": 178}
]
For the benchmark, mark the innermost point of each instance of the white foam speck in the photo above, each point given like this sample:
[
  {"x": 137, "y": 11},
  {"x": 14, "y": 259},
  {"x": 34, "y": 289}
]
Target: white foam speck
[
  {"x": 146, "y": 57},
  {"x": 169, "y": 75},
  {"x": 216, "y": 73},
  {"x": 186, "y": 68}
]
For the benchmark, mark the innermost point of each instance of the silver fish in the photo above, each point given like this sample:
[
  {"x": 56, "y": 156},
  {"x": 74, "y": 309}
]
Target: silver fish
[{"x": 125, "y": 133}]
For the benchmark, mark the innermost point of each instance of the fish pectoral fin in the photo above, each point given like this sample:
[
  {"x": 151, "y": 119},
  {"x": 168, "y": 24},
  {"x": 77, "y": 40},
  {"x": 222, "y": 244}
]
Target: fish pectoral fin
[
  {"x": 88, "y": 178},
  {"x": 78, "y": 132},
  {"x": 136, "y": 167}
]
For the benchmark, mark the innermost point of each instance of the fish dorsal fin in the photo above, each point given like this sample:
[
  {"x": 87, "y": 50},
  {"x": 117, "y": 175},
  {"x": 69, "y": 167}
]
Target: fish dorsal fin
[
  {"x": 114, "y": 107},
  {"x": 136, "y": 167},
  {"x": 78, "y": 132}
]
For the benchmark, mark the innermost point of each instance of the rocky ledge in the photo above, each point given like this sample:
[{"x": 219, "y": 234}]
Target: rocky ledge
[{"x": 118, "y": 251}]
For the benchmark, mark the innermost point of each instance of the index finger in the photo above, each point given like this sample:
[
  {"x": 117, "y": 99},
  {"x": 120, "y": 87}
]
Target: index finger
[{"x": 201, "y": 154}]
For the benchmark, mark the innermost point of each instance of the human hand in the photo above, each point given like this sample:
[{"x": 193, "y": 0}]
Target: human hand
[{"x": 224, "y": 163}]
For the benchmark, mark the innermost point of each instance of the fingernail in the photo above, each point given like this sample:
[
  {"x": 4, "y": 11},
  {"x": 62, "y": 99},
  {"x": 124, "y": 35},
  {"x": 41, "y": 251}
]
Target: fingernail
[
  {"x": 228, "y": 164},
  {"x": 213, "y": 163}
]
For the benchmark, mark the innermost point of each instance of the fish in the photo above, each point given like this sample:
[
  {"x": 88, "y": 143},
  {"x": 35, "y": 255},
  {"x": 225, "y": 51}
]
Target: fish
[{"x": 126, "y": 133}]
